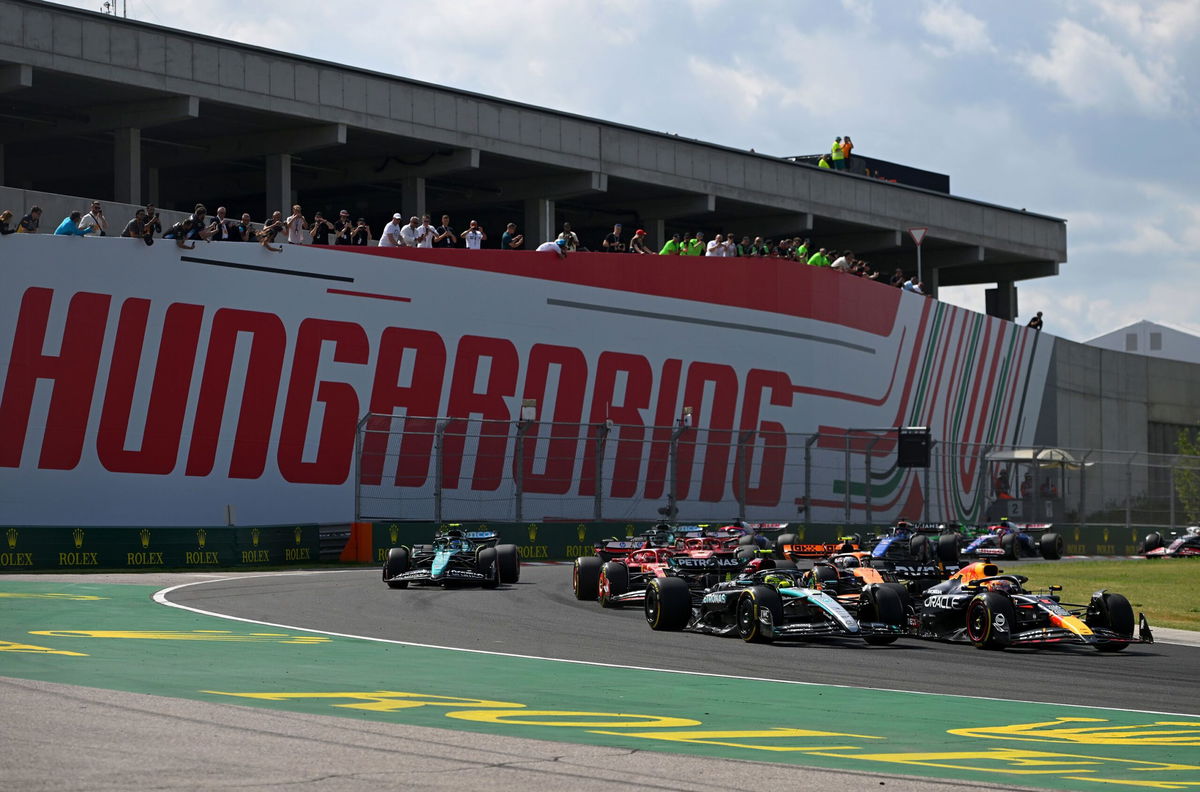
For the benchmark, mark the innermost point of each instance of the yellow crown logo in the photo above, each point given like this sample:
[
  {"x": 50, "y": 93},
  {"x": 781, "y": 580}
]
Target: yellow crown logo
[
  {"x": 1105, "y": 536},
  {"x": 201, "y": 536},
  {"x": 77, "y": 536},
  {"x": 1076, "y": 533},
  {"x": 582, "y": 531},
  {"x": 629, "y": 530},
  {"x": 12, "y": 538},
  {"x": 255, "y": 533},
  {"x": 532, "y": 533},
  {"x": 298, "y": 534},
  {"x": 144, "y": 535},
  {"x": 394, "y": 533}
]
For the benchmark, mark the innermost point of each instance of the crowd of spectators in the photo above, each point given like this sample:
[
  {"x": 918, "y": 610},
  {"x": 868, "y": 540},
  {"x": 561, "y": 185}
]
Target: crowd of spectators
[{"x": 420, "y": 232}]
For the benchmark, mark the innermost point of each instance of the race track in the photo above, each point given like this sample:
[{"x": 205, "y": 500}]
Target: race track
[{"x": 540, "y": 617}]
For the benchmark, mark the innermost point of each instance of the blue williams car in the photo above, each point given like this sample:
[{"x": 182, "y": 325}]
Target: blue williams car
[{"x": 1012, "y": 541}]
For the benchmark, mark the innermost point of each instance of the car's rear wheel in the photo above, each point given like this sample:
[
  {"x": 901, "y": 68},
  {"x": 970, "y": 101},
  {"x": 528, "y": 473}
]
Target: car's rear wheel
[
  {"x": 585, "y": 577},
  {"x": 489, "y": 564},
  {"x": 1010, "y": 543},
  {"x": 920, "y": 549},
  {"x": 747, "y": 539},
  {"x": 784, "y": 563},
  {"x": 396, "y": 563},
  {"x": 882, "y": 603},
  {"x": 614, "y": 581},
  {"x": 668, "y": 603},
  {"x": 746, "y": 552},
  {"x": 1116, "y": 614},
  {"x": 990, "y": 620},
  {"x": 1153, "y": 541},
  {"x": 753, "y": 603},
  {"x": 784, "y": 539},
  {"x": 510, "y": 563},
  {"x": 823, "y": 573},
  {"x": 1051, "y": 546},
  {"x": 947, "y": 548}
]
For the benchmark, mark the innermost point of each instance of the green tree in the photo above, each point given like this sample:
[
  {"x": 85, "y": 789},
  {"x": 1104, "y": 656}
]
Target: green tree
[{"x": 1187, "y": 474}]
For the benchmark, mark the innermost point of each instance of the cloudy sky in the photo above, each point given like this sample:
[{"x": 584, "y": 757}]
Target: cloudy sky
[{"x": 1086, "y": 110}]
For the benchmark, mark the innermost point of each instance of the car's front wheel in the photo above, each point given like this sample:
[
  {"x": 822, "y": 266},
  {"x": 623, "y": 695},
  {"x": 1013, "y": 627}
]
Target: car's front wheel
[
  {"x": 396, "y": 563},
  {"x": 754, "y": 603},
  {"x": 990, "y": 620}
]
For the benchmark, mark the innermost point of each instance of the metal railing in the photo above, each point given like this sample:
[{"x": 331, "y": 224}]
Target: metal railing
[{"x": 412, "y": 468}]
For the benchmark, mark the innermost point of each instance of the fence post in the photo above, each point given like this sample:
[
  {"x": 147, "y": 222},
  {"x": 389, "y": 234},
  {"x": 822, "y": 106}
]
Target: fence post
[
  {"x": 358, "y": 431},
  {"x": 925, "y": 500},
  {"x": 672, "y": 462},
  {"x": 601, "y": 444},
  {"x": 519, "y": 472},
  {"x": 745, "y": 455},
  {"x": 1083, "y": 489},
  {"x": 1129, "y": 491},
  {"x": 439, "y": 434},
  {"x": 867, "y": 485},
  {"x": 808, "y": 444},
  {"x": 1171, "y": 495}
]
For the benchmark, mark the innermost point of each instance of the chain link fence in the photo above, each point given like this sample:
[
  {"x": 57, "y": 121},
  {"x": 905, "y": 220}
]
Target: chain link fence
[{"x": 470, "y": 469}]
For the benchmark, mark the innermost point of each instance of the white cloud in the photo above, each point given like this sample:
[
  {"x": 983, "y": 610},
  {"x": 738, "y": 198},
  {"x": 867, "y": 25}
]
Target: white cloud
[
  {"x": 1153, "y": 24},
  {"x": 1090, "y": 71},
  {"x": 959, "y": 32}
]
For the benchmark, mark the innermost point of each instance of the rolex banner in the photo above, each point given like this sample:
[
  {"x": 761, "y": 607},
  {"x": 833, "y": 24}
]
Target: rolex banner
[{"x": 145, "y": 548}]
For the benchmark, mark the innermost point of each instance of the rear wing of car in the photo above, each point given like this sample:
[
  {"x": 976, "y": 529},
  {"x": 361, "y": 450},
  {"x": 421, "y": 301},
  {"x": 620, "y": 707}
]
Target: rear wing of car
[{"x": 717, "y": 564}]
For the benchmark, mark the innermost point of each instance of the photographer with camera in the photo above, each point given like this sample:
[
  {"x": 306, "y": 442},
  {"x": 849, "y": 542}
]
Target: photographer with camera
[
  {"x": 321, "y": 229},
  {"x": 361, "y": 235}
]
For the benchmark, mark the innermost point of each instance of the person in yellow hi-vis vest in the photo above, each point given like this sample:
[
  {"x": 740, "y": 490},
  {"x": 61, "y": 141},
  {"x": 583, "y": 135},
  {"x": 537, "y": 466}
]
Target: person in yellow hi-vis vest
[{"x": 835, "y": 154}]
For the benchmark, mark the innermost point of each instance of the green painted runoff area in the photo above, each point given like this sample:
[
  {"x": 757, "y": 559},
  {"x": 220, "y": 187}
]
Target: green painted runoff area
[{"x": 116, "y": 637}]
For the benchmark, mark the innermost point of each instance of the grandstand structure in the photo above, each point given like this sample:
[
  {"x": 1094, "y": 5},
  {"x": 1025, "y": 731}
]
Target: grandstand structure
[{"x": 173, "y": 117}]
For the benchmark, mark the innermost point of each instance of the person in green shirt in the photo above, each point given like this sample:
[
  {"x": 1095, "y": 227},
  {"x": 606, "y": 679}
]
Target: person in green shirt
[
  {"x": 694, "y": 246},
  {"x": 819, "y": 259},
  {"x": 836, "y": 154},
  {"x": 824, "y": 162},
  {"x": 672, "y": 248},
  {"x": 802, "y": 251}
]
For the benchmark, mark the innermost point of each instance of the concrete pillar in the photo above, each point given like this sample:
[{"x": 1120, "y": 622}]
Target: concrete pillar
[
  {"x": 931, "y": 281},
  {"x": 127, "y": 165},
  {"x": 412, "y": 197},
  {"x": 279, "y": 184},
  {"x": 656, "y": 232},
  {"x": 1002, "y": 300},
  {"x": 152, "y": 186},
  {"x": 539, "y": 222}
]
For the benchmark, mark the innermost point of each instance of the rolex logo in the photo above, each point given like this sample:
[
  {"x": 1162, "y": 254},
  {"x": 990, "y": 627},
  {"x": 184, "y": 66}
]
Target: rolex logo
[
  {"x": 77, "y": 536},
  {"x": 298, "y": 534},
  {"x": 144, "y": 535},
  {"x": 201, "y": 537},
  {"x": 532, "y": 533},
  {"x": 12, "y": 538},
  {"x": 255, "y": 533},
  {"x": 394, "y": 533},
  {"x": 582, "y": 531}
]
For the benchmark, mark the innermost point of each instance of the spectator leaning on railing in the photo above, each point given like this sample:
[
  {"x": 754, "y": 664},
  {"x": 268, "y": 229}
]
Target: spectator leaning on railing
[
  {"x": 70, "y": 226},
  {"x": 5, "y": 217},
  {"x": 30, "y": 222}
]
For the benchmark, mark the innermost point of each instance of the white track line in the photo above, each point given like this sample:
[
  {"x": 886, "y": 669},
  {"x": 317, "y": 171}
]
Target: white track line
[{"x": 161, "y": 598}]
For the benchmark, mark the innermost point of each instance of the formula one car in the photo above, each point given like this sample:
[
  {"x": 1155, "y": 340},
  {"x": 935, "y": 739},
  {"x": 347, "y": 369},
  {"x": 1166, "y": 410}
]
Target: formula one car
[
  {"x": 769, "y": 604},
  {"x": 455, "y": 557},
  {"x": 917, "y": 543},
  {"x": 1185, "y": 545},
  {"x": 791, "y": 547},
  {"x": 1012, "y": 541},
  {"x": 992, "y": 610}
]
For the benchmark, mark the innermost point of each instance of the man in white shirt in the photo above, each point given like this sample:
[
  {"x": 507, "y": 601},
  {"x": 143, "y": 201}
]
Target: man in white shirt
[
  {"x": 716, "y": 247},
  {"x": 474, "y": 236},
  {"x": 426, "y": 233},
  {"x": 558, "y": 246},
  {"x": 95, "y": 218},
  {"x": 843, "y": 262},
  {"x": 408, "y": 234},
  {"x": 391, "y": 233}
]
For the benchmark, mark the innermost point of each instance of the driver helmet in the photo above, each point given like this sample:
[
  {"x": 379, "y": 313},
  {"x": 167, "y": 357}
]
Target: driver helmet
[
  {"x": 661, "y": 539},
  {"x": 846, "y": 562},
  {"x": 1005, "y": 586},
  {"x": 778, "y": 581},
  {"x": 1193, "y": 530},
  {"x": 457, "y": 544}
]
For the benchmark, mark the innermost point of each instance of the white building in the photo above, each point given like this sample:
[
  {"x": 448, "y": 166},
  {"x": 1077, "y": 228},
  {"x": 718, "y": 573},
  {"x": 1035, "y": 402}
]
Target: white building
[{"x": 1152, "y": 339}]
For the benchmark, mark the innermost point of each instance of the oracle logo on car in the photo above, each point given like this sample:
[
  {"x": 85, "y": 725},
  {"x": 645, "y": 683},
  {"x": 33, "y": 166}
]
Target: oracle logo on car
[{"x": 198, "y": 362}]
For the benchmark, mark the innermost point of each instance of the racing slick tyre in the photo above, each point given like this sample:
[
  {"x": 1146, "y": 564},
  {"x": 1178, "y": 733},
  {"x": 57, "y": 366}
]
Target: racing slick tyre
[
  {"x": 785, "y": 564},
  {"x": 488, "y": 560},
  {"x": 947, "y": 548},
  {"x": 1011, "y": 545},
  {"x": 1153, "y": 541},
  {"x": 750, "y": 607},
  {"x": 668, "y": 603},
  {"x": 747, "y": 539},
  {"x": 746, "y": 551},
  {"x": 614, "y": 581},
  {"x": 510, "y": 563},
  {"x": 585, "y": 577},
  {"x": 1050, "y": 545},
  {"x": 922, "y": 553},
  {"x": 784, "y": 539},
  {"x": 1114, "y": 613},
  {"x": 990, "y": 619},
  {"x": 397, "y": 562},
  {"x": 902, "y": 592},
  {"x": 881, "y": 603},
  {"x": 823, "y": 573}
]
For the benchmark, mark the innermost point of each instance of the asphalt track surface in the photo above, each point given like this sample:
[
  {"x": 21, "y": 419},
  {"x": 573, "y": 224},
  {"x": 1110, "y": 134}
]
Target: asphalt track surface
[{"x": 539, "y": 617}]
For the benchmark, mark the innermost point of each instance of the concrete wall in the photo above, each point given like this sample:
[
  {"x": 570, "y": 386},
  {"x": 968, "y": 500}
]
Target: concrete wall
[{"x": 55, "y": 207}]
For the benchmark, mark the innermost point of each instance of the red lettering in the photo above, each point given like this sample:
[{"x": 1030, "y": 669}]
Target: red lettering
[
  {"x": 718, "y": 435},
  {"x": 639, "y": 381},
  {"x": 563, "y": 445},
  {"x": 335, "y": 448},
  {"x": 163, "y": 424},
  {"x": 420, "y": 398},
  {"x": 492, "y": 447},
  {"x": 259, "y": 393},
  {"x": 774, "y": 439},
  {"x": 72, "y": 370},
  {"x": 664, "y": 419}
]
